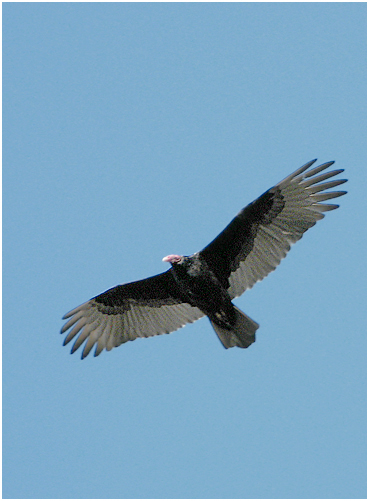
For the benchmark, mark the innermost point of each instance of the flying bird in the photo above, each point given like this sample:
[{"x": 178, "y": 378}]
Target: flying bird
[{"x": 205, "y": 283}]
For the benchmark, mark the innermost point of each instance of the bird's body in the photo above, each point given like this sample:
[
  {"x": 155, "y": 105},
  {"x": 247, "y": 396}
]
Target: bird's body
[
  {"x": 198, "y": 284},
  {"x": 205, "y": 283},
  {"x": 200, "y": 287}
]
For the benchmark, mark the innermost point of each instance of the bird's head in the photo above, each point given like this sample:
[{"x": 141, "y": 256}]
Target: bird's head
[{"x": 173, "y": 259}]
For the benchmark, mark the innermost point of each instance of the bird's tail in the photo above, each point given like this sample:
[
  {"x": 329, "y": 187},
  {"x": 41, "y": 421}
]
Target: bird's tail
[{"x": 241, "y": 335}]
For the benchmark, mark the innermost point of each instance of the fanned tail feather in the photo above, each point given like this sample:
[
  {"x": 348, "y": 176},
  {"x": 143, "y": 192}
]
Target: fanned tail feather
[{"x": 242, "y": 334}]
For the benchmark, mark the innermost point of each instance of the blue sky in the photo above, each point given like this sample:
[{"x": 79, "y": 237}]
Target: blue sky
[{"x": 133, "y": 131}]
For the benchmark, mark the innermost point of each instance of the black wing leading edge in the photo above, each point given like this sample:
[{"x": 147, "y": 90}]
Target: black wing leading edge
[{"x": 261, "y": 234}]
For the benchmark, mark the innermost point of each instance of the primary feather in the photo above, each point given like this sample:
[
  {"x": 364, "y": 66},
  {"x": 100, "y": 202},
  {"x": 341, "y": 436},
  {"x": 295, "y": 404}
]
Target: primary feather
[{"x": 246, "y": 251}]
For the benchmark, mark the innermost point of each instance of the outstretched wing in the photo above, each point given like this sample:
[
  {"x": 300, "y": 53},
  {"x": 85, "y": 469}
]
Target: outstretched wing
[
  {"x": 139, "y": 309},
  {"x": 259, "y": 237}
]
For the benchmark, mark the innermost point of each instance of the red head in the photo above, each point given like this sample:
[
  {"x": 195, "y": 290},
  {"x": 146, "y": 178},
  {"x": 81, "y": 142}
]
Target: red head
[{"x": 172, "y": 259}]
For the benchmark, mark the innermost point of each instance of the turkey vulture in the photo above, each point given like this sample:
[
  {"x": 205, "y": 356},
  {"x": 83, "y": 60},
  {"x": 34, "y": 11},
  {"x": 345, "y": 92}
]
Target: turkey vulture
[{"x": 249, "y": 248}]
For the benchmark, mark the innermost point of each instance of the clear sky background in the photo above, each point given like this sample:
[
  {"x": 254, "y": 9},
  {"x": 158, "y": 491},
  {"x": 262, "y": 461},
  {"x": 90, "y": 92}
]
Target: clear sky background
[{"x": 132, "y": 131}]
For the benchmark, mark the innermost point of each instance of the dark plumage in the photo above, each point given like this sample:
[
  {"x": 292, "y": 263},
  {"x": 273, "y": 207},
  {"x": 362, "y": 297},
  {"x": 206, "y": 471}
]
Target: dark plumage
[{"x": 249, "y": 248}]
